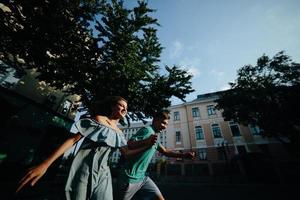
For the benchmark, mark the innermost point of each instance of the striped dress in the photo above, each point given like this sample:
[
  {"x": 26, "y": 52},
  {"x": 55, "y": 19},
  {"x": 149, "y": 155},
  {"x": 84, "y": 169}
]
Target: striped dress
[{"x": 89, "y": 176}]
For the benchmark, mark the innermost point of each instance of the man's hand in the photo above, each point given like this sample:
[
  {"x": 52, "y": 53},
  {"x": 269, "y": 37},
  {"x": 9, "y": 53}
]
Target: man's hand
[
  {"x": 151, "y": 140},
  {"x": 190, "y": 155}
]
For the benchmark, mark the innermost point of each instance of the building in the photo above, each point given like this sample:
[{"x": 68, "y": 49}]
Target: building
[
  {"x": 40, "y": 92},
  {"x": 35, "y": 117},
  {"x": 198, "y": 126}
]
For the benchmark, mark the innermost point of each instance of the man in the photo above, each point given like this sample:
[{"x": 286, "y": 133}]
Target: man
[{"x": 133, "y": 179}]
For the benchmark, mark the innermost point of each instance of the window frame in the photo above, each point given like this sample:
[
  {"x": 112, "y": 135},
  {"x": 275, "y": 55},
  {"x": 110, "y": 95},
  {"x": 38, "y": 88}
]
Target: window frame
[
  {"x": 213, "y": 127},
  {"x": 177, "y": 137},
  {"x": 176, "y": 116},
  {"x": 199, "y": 127},
  {"x": 256, "y": 128},
  {"x": 211, "y": 110},
  {"x": 234, "y": 124},
  {"x": 195, "y": 112}
]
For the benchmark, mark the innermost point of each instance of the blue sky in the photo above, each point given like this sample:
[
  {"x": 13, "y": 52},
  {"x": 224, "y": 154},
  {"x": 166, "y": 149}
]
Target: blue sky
[{"x": 212, "y": 39}]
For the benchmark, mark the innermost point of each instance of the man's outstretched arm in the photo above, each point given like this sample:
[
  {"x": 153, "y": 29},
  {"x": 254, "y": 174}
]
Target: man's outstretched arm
[{"x": 170, "y": 153}]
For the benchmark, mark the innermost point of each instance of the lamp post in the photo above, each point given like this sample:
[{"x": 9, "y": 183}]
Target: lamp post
[{"x": 227, "y": 164}]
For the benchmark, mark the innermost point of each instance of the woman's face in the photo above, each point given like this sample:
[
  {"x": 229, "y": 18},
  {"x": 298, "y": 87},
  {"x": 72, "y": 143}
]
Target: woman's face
[{"x": 120, "y": 110}]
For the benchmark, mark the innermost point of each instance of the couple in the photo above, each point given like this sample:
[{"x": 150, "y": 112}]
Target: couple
[{"x": 89, "y": 176}]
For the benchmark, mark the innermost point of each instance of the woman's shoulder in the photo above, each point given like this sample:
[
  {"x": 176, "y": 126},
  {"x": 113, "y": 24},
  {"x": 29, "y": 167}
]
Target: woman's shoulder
[
  {"x": 103, "y": 120},
  {"x": 98, "y": 131}
]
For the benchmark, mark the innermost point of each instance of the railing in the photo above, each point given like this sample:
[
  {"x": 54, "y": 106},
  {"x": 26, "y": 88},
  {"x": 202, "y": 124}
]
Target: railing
[{"x": 250, "y": 168}]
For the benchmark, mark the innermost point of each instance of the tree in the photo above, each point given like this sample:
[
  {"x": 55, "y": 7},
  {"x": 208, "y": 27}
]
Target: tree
[
  {"x": 97, "y": 48},
  {"x": 47, "y": 35},
  {"x": 266, "y": 95}
]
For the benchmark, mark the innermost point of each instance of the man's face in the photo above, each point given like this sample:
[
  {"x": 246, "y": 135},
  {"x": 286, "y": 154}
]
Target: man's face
[{"x": 160, "y": 124}]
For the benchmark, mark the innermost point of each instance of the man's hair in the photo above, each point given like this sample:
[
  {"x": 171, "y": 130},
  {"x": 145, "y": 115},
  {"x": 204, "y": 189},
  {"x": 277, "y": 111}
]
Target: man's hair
[
  {"x": 104, "y": 107},
  {"x": 162, "y": 114}
]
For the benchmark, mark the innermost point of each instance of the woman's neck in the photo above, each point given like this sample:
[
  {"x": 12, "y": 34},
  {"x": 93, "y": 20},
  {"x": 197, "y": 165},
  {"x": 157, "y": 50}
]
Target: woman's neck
[
  {"x": 112, "y": 122},
  {"x": 107, "y": 120}
]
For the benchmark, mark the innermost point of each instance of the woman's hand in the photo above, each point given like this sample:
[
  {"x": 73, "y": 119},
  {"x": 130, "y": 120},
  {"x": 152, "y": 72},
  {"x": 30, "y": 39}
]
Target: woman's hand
[
  {"x": 35, "y": 173},
  {"x": 32, "y": 176}
]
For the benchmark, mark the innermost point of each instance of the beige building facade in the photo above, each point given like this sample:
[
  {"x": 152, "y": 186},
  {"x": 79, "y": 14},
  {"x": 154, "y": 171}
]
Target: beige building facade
[{"x": 199, "y": 127}]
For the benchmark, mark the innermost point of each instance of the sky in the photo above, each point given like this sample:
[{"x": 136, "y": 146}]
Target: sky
[{"x": 212, "y": 39}]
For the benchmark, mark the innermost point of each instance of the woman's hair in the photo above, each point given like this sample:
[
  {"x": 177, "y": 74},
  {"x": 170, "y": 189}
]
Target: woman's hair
[{"x": 104, "y": 107}]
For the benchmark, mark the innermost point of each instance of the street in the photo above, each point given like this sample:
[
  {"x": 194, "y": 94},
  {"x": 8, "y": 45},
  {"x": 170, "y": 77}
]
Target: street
[
  {"x": 179, "y": 191},
  {"x": 231, "y": 192},
  {"x": 52, "y": 188}
]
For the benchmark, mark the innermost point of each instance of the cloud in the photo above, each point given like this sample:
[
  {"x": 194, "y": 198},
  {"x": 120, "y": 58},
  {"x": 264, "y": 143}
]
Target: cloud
[
  {"x": 194, "y": 71},
  {"x": 176, "y": 49},
  {"x": 191, "y": 65},
  {"x": 216, "y": 73}
]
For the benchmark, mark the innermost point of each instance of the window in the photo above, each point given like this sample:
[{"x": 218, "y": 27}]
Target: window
[
  {"x": 216, "y": 130},
  {"x": 202, "y": 154},
  {"x": 241, "y": 149},
  {"x": 234, "y": 127},
  {"x": 195, "y": 112},
  {"x": 176, "y": 116},
  {"x": 211, "y": 110},
  {"x": 221, "y": 153},
  {"x": 199, "y": 133},
  {"x": 254, "y": 129},
  {"x": 8, "y": 78},
  {"x": 178, "y": 136}
]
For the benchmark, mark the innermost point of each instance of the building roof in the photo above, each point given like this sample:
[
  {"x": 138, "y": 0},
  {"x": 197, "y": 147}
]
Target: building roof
[{"x": 201, "y": 97}]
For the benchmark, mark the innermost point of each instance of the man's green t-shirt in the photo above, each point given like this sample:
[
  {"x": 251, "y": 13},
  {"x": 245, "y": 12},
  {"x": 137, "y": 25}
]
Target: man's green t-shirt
[{"x": 136, "y": 167}]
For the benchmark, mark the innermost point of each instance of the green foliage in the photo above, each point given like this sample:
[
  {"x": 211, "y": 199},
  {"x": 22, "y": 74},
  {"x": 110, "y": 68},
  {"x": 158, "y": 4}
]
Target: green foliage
[
  {"x": 97, "y": 48},
  {"x": 45, "y": 35},
  {"x": 267, "y": 95}
]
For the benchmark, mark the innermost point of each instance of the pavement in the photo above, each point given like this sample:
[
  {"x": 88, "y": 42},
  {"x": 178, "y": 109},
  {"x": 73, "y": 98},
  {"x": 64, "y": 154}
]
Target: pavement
[
  {"x": 173, "y": 188},
  {"x": 181, "y": 191},
  {"x": 53, "y": 190}
]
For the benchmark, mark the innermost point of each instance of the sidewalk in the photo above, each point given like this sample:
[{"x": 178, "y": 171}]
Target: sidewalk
[
  {"x": 53, "y": 189},
  {"x": 177, "y": 191}
]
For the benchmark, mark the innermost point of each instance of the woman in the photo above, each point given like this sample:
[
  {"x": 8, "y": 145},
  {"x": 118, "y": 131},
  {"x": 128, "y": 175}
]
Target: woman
[{"x": 89, "y": 176}]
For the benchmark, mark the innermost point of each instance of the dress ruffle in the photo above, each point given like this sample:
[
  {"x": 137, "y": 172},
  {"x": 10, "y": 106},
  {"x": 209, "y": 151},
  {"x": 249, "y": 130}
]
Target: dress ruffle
[{"x": 100, "y": 133}]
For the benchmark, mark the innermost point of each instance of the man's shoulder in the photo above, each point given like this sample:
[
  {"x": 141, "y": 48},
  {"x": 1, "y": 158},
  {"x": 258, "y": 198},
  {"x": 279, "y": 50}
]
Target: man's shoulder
[
  {"x": 145, "y": 130},
  {"x": 143, "y": 133}
]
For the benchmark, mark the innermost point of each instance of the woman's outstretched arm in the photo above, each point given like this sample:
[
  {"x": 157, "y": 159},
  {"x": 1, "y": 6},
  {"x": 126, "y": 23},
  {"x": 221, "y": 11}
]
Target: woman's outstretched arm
[{"x": 35, "y": 173}]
